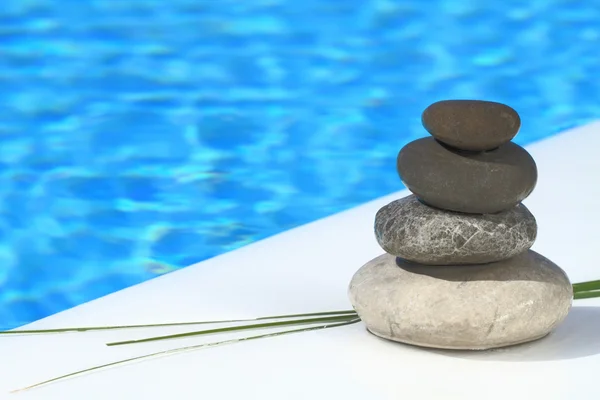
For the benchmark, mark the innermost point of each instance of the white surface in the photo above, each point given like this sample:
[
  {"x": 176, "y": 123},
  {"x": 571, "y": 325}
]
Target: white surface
[{"x": 307, "y": 270}]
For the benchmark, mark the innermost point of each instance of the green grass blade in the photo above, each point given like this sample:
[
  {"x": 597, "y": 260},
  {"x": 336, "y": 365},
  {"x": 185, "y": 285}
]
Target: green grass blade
[
  {"x": 586, "y": 295},
  {"x": 100, "y": 328},
  {"x": 586, "y": 286},
  {"x": 188, "y": 348},
  {"x": 240, "y": 328}
]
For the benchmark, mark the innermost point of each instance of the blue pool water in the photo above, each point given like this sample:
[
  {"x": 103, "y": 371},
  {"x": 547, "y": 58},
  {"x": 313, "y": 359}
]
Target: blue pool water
[{"x": 140, "y": 136}]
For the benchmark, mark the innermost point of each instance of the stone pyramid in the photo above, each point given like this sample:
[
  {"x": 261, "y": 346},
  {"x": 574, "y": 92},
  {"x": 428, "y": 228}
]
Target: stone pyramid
[{"x": 458, "y": 272}]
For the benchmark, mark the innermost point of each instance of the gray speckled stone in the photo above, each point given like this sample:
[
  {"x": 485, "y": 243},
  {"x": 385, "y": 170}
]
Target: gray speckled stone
[
  {"x": 471, "y": 124},
  {"x": 472, "y": 307},
  {"x": 479, "y": 183},
  {"x": 416, "y": 232}
]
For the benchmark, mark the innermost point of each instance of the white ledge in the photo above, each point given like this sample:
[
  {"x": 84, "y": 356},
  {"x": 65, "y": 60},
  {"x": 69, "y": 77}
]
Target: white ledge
[{"x": 308, "y": 270}]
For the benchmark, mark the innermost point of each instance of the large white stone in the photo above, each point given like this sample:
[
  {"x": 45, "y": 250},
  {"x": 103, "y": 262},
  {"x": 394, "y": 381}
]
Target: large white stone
[{"x": 471, "y": 307}]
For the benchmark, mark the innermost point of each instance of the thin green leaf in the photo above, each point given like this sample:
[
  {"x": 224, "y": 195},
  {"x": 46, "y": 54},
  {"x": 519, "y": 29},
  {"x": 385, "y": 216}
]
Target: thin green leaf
[
  {"x": 586, "y": 295},
  {"x": 188, "y": 348},
  {"x": 99, "y": 328},
  {"x": 586, "y": 286},
  {"x": 240, "y": 328}
]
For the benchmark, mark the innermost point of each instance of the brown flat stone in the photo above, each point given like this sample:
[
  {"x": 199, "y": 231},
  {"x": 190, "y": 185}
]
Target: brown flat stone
[
  {"x": 421, "y": 234},
  {"x": 471, "y": 124},
  {"x": 479, "y": 183}
]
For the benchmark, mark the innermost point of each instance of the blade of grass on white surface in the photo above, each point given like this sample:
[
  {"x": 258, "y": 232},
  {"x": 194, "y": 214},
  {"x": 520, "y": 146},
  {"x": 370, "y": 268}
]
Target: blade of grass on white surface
[
  {"x": 100, "y": 328},
  {"x": 586, "y": 286},
  {"x": 586, "y": 295},
  {"x": 309, "y": 321},
  {"x": 188, "y": 348}
]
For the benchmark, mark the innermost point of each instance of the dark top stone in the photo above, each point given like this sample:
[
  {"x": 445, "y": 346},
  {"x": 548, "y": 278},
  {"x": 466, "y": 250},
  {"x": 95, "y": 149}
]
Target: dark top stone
[
  {"x": 480, "y": 183},
  {"x": 471, "y": 124},
  {"x": 418, "y": 233}
]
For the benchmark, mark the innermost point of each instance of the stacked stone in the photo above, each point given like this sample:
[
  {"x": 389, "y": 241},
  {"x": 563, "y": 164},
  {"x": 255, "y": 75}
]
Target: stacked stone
[{"x": 458, "y": 272}]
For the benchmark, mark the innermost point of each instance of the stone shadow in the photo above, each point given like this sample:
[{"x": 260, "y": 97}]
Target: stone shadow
[{"x": 578, "y": 336}]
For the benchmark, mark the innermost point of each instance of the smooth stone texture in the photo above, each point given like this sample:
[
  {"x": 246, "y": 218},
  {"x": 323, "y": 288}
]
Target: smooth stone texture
[
  {"x": 473, "y": 307},
  {"x": 480, "y": 183},
  {"x": 416, "y": 232},
  {"x": 471, "y": 124}
]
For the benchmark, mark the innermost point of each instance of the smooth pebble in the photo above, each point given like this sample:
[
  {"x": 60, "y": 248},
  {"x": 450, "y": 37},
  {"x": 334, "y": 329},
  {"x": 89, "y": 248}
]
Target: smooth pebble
[
  {"x": 471, "y": 124},
  {"x": 416, "y": 232},
  {"x": 473, "y": 307},
  {"x": 479, "y": 183}
]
